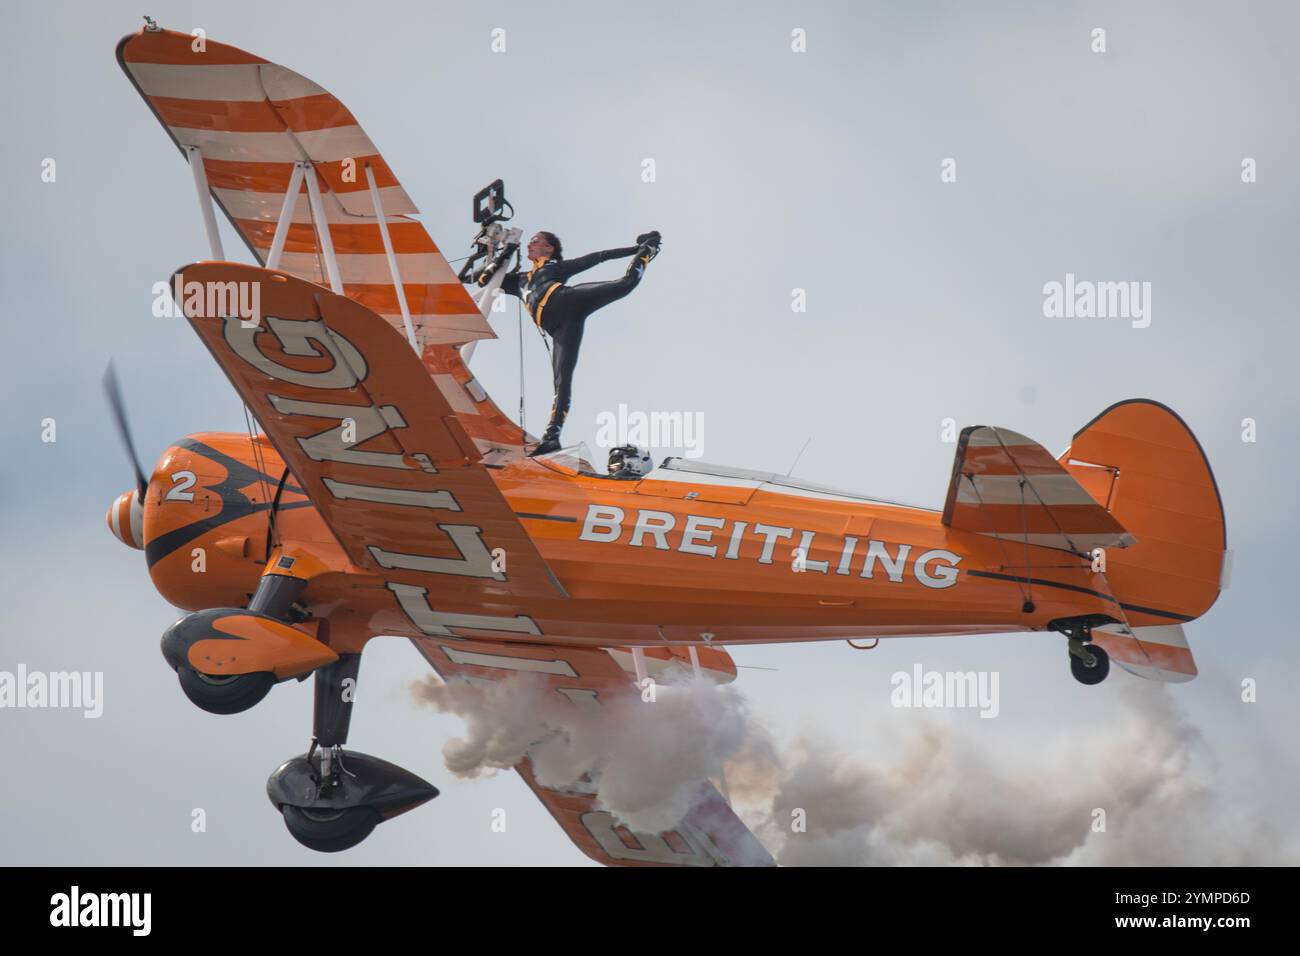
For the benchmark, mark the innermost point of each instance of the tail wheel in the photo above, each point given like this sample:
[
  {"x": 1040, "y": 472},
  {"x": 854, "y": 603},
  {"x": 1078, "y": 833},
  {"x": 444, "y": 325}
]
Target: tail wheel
[
  {"x": 329, "y": 830},
  {"x": 1092, "y": 667},
  {"x": 228, "y": 694}
]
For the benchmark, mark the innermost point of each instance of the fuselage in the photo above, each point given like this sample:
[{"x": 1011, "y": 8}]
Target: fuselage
[{"x": 678, "y": 557}]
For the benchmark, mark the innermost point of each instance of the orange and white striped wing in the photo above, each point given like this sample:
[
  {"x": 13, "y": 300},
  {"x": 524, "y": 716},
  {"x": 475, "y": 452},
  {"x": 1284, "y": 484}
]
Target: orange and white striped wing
[
  {"x": 1007, "y": 486},
  {"x": 253, "y": 121}
]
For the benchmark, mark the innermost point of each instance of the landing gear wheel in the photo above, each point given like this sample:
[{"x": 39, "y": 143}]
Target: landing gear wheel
[
  {"x": 229, "y": 694},
  {"x": 329, "y": 830},
  {"x": 1094, "y": 672}
]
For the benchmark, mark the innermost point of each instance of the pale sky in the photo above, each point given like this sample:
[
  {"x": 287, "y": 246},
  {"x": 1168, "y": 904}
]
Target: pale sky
[{"x": 775, "y": 170}]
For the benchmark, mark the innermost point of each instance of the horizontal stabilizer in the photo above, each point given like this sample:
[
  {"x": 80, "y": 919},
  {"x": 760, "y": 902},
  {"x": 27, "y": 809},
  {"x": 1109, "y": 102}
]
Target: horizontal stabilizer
[
  {"x": 1006, "y": 486},
  {"x": 1158, "y": 653}
]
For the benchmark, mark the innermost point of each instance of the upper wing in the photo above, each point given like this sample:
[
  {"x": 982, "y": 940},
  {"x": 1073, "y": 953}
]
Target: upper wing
[
  {"x": 1007, "y": 486},
  {"x": 710, "y": 835},
  {"x": 252, "y": 121},
  {"x": 373, "y": 443}
]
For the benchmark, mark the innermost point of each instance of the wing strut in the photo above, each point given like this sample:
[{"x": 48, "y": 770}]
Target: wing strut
[
  {"x": 323, "y": 232},
  {"x": 392, "y": 259},
  {"x": 286, "y": 216},
  {"x": 205, "y": 201}
]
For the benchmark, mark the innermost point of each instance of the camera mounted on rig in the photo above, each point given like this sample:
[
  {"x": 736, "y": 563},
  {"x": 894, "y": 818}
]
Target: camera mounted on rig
[{"x": 494, "y": 243}]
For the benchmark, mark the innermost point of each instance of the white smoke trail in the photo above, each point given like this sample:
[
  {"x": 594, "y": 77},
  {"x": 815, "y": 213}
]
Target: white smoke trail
[
  {"x": 646, "y": 760},
  {"x": 949, "y": 799}
]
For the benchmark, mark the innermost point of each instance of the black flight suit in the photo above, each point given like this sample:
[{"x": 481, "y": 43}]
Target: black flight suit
[{"x": 561, "y": 311}]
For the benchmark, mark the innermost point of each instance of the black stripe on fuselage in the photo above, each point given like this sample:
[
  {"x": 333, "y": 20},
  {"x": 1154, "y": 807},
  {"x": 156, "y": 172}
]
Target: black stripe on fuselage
[
  {"x": 234, "y": 503},
  {"x": 1137, "y": 608}
]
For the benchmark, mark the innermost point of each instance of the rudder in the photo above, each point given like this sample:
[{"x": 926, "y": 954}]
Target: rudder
[{"x": 1140, "y": 461}]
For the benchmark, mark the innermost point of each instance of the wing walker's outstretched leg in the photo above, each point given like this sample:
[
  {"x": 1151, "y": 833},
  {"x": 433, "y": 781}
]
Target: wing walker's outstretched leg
[
  {"x": 560, "y": 310},
  {"x": 564, "y": 318}
]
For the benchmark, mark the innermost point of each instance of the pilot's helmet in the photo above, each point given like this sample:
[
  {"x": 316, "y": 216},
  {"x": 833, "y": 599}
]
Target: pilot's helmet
[{"x": 627, "y": 461}]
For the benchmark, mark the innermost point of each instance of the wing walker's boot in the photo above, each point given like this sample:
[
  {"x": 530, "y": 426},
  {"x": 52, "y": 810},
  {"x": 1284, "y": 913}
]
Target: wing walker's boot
[
  {"x": 550, "y": 438},
  {"x": 647, "y": 249},
  {"x": 550, "y": 442}
]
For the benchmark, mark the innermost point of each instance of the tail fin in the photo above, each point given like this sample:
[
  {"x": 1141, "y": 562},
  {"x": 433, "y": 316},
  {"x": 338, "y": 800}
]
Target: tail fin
[{"x": 1141, "y": 462}]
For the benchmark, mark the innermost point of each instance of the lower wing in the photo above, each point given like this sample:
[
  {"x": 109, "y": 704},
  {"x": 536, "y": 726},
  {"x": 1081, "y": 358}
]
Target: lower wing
[{"x": 709, "y": 835}]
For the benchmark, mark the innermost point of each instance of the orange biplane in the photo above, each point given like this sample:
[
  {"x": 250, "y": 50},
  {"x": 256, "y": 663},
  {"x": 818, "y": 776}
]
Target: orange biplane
[{"x": 389, "y": 495}]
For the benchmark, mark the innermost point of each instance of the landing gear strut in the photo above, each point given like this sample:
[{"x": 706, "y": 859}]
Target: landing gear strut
[
  {"x": 330, "y": 800},
  {"x": 1089, "y": 663}
]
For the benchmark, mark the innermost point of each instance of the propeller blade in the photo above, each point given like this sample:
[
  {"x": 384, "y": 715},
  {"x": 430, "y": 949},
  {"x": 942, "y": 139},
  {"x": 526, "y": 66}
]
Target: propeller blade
[{"x": 113, "y": 389}]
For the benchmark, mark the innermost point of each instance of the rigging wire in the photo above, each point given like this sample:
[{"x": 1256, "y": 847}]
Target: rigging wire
[
  {"x": 1023, "y": 481},
  {"x": 998, "y": 538},
  {"x": 520, "y": 321},
  {"x": 798, "y": 456},
  {"x": 1024, "y": 525},
  {"x": 258, "y": 459}
]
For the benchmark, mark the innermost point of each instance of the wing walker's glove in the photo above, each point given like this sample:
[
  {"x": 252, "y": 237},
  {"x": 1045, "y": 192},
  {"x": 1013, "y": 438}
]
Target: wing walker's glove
[
  {"x": 503, "y": 256},
  {"x": 648, "y": 238}
]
